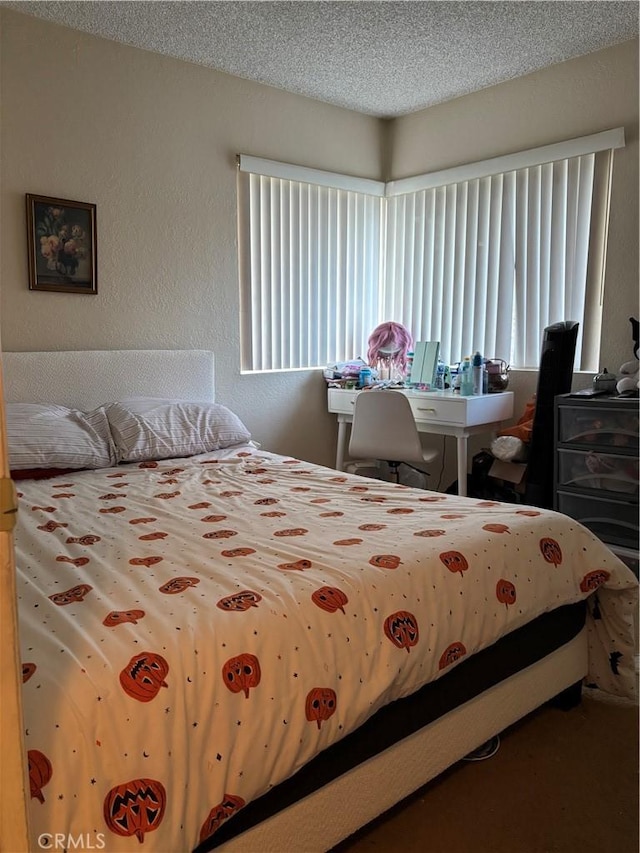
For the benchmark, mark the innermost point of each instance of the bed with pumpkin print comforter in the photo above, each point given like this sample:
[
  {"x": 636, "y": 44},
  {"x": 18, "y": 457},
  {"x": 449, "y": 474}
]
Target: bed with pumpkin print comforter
[{"x": 195, "y": 630}]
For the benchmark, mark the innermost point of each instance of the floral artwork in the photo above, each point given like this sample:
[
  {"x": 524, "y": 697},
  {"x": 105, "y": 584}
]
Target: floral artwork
[{"x": 62, "y": 245}]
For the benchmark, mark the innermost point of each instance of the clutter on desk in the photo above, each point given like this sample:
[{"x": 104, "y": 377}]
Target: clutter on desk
[{"x": 339, "y": 373}]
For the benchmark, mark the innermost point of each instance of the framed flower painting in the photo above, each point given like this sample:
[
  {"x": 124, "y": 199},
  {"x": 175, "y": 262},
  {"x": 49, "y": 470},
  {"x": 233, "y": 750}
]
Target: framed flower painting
[{"x": 61, "y": 238}]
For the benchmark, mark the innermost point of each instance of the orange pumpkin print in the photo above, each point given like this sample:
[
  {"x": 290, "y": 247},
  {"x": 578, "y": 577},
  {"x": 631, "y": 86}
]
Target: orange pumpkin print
[
  {"x": 331, "y": 514},
  {"x": 293, "y": 531},
  {"x": 239, "y": 601},
  {"x": 372, "y": 527},
  {"x": 320, "y": 704},
  {"x": 111, "y": 496},
  {"x": 149, "y": 464},
  {"x": 455, "y": 561},
  {"x": 505, "y": 592},
  {"x": 142, "y": 520},
  {"x": 551, "y": 551},
  {"x": 451, "y": 654},
  {"x": 496, "y": 528},
  {"x": 220, "y": 813},
  {"x": 385, "y": 561},
  {"x": 151, "y": 537},
  {"x": 266, "y": 501},
  {"x": 238, "y": 552},
  {"x": 529, "y": 512},
  {"x": 213, "y": 518},
  {"x": 400, "y": 510},
  {"x": 592, "y": 580},
  {"x": 113, "y": 510},
  {"x": 167, "y": 496},
  {"x": 145, "y": 561},
  {"x": 176, "y": 585},
  {"x": 230, "y": 494},
  {"x": 298, "y": 566},
  {"x": 50, "y": 526},
  {"x": 144, "y": 675},
  {"x": 241, "y": 673},
  {"x": 44, "y": 508},
  {"x": 329, "y": 598},
  {"x": 70, "y": 596},
  {"x": 429, "y": 533},
  {"x": 201, "y": 505},
  {"x": 346, "y": 542},
  {"x": 118, "y": 617},
  {"x": 273, "y": 514},
  {"x": 452, "y": 515},
  {"x": 402, "y": 629},
  {"x": 66, "y": 495},
  {"x": 320, "y": 501},
  {"x": 432, "y": 499},
  {"x": 220, "y": 534},
  {"x": 27, "y": 671},
  {"x": 83, "y": 540},
  {"x": 40, "y": 773},
  {"x": 135, "y": 807},
  {"x": 75, "y": 561}
]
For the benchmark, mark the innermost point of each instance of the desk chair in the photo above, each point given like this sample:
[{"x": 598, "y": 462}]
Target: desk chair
[{"x": 384, "y": 429}]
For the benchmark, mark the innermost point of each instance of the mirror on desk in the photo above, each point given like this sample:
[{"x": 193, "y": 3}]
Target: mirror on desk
[{"x": 425, "y": 363}]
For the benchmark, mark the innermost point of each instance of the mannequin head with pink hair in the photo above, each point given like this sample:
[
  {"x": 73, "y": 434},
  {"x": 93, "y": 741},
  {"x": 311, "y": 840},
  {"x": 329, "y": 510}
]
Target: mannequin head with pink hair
[{"x": 389, "y": 344}]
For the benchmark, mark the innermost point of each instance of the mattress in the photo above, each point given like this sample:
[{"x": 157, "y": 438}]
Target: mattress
[{"x": 195, "y": 631}]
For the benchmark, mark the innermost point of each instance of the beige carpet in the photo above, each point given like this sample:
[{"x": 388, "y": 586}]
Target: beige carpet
[{"x": 561, "y": 782}]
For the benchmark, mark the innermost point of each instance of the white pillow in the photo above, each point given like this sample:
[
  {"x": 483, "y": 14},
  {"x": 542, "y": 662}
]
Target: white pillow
[
  {"x": 48, "y": 436},
  {"x": 145, "y": 429}
]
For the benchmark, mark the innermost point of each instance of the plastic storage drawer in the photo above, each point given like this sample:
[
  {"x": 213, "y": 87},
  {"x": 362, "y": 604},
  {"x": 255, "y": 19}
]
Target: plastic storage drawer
[
  {"x": 593, "y": 470},
  {"x": 615, "y": 522},
  {"x": 594, "y": 425}
]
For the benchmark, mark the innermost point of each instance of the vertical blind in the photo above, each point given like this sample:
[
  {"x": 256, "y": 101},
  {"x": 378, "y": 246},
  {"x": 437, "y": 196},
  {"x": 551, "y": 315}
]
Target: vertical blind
[
  {"x": 480, "y": 262},
  {"x": 314, "y": 267}
]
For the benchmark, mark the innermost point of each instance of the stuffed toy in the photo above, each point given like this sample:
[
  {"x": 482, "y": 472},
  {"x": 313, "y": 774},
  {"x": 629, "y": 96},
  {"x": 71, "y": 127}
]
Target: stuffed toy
[{"x": 629, "y": 382}]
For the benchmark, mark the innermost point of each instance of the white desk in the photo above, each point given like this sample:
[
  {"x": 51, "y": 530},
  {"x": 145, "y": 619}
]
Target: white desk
[{"x": 438, "y": 412}]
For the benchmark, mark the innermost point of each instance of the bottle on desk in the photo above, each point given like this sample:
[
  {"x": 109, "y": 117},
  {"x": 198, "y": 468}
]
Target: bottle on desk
[
  {"x": 466, "y": 378},
  {"x": 365, "y": 377},
  {"x": 478, "y": 370}
]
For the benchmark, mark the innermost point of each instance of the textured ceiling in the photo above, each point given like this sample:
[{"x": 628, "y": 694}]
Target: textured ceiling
[{"x": 381, "y": 58}]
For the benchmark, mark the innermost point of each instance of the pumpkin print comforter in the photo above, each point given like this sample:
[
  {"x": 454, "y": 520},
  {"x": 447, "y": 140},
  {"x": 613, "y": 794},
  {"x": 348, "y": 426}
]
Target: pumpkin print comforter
[{"x": 195, "y": 630}]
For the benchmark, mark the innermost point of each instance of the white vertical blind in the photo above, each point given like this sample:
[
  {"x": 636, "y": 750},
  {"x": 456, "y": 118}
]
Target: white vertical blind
[
  {"x": 458, "y": 287},
  {"x": 313, "y": 273},
  {"x": 483, "y": 262}
]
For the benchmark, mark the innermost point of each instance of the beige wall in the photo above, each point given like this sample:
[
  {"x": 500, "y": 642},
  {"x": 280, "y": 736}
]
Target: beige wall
[{"x": 152, "y": 141}]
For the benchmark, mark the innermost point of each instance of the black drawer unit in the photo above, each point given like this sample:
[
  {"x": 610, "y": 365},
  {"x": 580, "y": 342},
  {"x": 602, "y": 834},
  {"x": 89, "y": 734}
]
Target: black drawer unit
[{"x": 596, "y": 467}]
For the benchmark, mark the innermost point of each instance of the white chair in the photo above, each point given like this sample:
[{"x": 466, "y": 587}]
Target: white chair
[{"x": 384, "y": 429}]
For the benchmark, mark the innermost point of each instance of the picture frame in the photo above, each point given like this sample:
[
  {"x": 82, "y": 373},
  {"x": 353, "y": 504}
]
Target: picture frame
[{"x": 61, "y": 239}]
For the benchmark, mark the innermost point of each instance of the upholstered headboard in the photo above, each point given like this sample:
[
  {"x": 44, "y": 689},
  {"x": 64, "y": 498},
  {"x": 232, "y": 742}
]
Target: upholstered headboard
[{"x": 84, "y": 379}]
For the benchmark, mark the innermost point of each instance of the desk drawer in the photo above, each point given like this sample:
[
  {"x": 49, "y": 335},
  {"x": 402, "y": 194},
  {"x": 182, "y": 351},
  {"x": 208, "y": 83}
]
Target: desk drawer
[
  {"x": 341, "y": 401},
  {"x": 437, "y": 410}
]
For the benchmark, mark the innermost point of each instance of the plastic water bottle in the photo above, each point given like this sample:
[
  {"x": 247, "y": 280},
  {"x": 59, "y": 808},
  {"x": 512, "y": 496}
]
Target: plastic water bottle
[
  {"x": 477, "y": 374},
  {"x": 365, "y": 377},
  {"x": 407, "y": 380},
  {"x": 439, "y": 383},
  {"x": 466, "y": 379}
]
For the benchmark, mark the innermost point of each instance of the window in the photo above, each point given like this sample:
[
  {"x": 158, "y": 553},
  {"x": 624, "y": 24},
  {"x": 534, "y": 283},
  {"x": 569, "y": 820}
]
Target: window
[{"x": 481, "y": 257}]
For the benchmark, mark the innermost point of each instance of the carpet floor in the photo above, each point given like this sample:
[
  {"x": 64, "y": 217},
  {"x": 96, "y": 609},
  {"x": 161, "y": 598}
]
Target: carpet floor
[{"x": 561, "y": 782}]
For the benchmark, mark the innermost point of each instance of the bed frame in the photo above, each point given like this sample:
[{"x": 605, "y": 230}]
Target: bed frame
[{"x": 86, "y": 379}]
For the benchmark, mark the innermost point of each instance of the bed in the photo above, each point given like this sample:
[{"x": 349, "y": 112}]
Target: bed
[{"x": 225, "y": 648}]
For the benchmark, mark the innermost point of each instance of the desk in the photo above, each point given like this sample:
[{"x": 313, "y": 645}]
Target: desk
[{"x": 437, "y": 412}]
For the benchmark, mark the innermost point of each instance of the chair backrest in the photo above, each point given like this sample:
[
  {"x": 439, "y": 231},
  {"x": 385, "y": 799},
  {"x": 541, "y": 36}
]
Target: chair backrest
[{"x": 384, "y": 428}]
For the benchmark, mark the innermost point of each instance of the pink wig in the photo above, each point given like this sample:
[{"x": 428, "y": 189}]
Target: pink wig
[{"x": 389, "y": 344}]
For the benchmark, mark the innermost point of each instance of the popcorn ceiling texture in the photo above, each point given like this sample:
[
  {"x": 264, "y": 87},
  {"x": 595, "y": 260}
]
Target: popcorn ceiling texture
[{"x": 384, "y": 59}]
